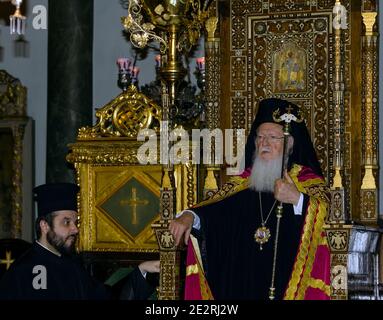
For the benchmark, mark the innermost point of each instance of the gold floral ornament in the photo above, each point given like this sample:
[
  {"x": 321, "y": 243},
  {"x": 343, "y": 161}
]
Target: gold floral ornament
[
  {"x": 124, "y": 116},
  {"x": 141, "y": 40},
  {"x": 140, "y": 32},
  {"x": 127, "y": 22},
  {"x": 184, "y": 19}
]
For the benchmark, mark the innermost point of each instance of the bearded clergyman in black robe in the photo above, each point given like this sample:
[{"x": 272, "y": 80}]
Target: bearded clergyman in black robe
[
  {"x": 238, "y": 254},
  {"x": 50, "y": 270}
]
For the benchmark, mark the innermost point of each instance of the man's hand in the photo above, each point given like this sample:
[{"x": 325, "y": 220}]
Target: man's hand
[
  {"x": 182, "y": 226},
  {"x": 286, "y": 191},
  {"x": 149, "y": 266}
]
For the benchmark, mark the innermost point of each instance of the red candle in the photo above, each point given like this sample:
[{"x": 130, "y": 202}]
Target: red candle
[
  {"x": 123, "y": 64},
  {"x": 135, "y": 72},
  {"x": 158, "y": 60},
  {"x": 200, "y": 63}
]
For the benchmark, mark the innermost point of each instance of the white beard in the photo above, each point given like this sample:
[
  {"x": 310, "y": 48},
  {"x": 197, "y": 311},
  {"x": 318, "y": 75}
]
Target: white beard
[{"x": 264, "y": 173}]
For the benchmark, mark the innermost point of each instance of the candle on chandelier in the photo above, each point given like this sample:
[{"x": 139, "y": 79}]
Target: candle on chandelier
[
  {"x": 200, "y": 63},
  {"x": 123, "y": 64},
  {"x": 158, "y": 60},
  {"x": 135, "y": 72}
]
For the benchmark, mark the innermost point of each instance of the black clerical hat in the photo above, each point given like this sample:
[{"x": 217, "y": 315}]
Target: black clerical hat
[
  {"x": 303, "y": 150},
  {"x": 55, "y": 196}
]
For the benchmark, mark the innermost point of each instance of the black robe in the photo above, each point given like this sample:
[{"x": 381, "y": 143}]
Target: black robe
[
  {"x": 66, "y": 279},
  {"x": 235, "y": 266}
]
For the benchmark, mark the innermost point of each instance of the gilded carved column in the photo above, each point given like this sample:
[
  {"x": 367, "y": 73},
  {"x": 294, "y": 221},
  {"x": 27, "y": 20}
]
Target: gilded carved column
[
  {"x": 337, "y": 231},
  {"x": 348, "y": 243},
  {"x": 369, "y": 192},
  {"x": 212, "y": 58},
  {"x": 212, "y": 97},
  {"x": 337, "y": 208}
]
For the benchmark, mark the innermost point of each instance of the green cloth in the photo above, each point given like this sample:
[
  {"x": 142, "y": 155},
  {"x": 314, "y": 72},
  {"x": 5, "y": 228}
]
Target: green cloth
[{"x": 118, "y": 275}]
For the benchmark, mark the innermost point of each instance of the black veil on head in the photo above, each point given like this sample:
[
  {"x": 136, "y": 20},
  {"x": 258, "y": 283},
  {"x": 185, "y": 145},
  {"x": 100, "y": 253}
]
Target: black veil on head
[{"x": 303, "y": 150}]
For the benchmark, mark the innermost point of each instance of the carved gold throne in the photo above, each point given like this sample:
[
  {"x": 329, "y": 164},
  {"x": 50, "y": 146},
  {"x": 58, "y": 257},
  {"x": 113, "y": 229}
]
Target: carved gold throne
[{"x": 119, "y": 197}]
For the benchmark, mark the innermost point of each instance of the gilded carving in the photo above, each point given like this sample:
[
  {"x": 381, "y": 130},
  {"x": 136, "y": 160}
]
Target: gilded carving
[
  {"x": 284, "y": 54},
  {"x": 238, "y": 117},
  {"x": 369, "y": 5},
  {"x": 97, "y": 152},
  {"x": 238, "y": 73},
  {"x": 239, "y": 10},
  {"x": 166, "y": 205},
  {"x": 337, "y": 213},
  {"x": 13, "y": 96},
  {"x": 18, "y": 133},
  {"x": 338, "y": 240},
  {"x": 13, "y": 117},
  {"x": 108, "y": 195},
  {"x": 338, "y": 208},
  {"x": 369, "y": 205},
  {"x": 190, "y": 185},
  {"x": 339, "y": 281},
  {"x": 369, "y": 51},
  {"x": 347, "y": 125},
  {"x": 212, "y": 91},
  {"x": 325, "y": 4},
  {"x": 288, "y": 5},
  {"x": 211, "y": 26},
  {"x": 166, "y": 240},
  {"x": 124, "y": 116},
  {"x": 338, "y": 276},
  {"x": 169, "y": 276},
  {"x": 211, "y": 185}
]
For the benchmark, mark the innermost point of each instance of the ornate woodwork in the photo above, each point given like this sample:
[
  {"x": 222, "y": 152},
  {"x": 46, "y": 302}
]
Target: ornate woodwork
[
  {"x": 292, "y": 50},
  {"x": 124, "y": 202},
  {"x": 13, "y": 119}
]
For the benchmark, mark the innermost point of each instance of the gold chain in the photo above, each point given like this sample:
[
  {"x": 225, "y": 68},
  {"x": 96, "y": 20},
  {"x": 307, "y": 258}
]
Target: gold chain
[{"x": 260, "y": 205}]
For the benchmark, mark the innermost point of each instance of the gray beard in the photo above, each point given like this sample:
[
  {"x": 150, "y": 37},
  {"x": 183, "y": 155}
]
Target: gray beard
[{"x": 264, "y": 173}]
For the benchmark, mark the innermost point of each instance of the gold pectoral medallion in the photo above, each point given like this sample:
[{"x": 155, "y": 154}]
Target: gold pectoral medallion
[{"x": 262, "y": 235}]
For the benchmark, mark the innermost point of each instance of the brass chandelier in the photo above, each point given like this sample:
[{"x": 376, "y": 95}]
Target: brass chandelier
[{"x": 175, "y": 24}]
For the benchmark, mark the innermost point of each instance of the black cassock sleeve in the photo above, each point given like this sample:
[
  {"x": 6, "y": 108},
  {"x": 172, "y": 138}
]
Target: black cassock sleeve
[
  {"x": 9, "y": 287},
  {"x": 136, "y": 287}
]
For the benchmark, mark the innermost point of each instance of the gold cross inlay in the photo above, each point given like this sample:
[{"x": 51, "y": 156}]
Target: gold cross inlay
[
  {"x": 133, "y": 202},
  {"x": 7, "y": 261}
]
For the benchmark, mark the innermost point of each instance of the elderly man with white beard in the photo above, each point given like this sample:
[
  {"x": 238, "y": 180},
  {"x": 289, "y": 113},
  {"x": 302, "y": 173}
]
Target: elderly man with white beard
[{"x": 245, "y": 253}]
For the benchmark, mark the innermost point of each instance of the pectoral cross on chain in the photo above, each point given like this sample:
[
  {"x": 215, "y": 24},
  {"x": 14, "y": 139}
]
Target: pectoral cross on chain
[{"x": 133, "y": 202}]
